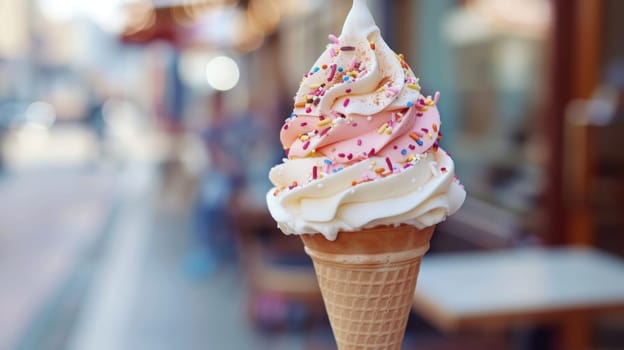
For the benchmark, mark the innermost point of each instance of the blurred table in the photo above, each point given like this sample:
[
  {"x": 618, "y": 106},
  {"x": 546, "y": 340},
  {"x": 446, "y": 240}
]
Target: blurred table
[
  {"x": 495, "y": 290},
  {"x": 49, "y": 218}
]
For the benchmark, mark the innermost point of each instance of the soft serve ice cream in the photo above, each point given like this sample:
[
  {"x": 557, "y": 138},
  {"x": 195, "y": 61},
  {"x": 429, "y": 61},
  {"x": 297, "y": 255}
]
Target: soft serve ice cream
[{"x": 362, "y": 143}]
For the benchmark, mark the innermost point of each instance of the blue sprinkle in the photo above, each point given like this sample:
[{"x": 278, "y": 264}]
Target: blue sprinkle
[
  {"x": 403, "y": 151},
  {"x": 339, "y": 169},
  {"x": 340, "y": 69},
  {"x": 345, "y": 78},
  {"x": 409, "y": 104},
  {"x": 316, "y": 69},
  {"x": 419, "y": 142},
  {"x": 334, "y": 170},
  {"x": 327, "y": 161},
  {"x": 292, "y": 116}
]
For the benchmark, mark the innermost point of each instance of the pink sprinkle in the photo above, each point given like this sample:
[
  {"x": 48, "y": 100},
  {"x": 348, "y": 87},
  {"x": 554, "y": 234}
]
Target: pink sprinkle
[
  {"x": 389, "y": 163},
  {"x": 419, "y": 114},
  {"x": 443, "y": 169},
  {"x": 407, "y": 165},
  {"x": 359, "y": 142},
  {"x": 321, "y": 117},
  {"x": 348, "y": 90},
  {"x": 350, "y": 156},
  {"x": 325, "y": 131},
  {"x": 314, "y": 172},
  {"x": 371, "y": 152},
  {"x": 304, "y": 123},
  {"x": 395, "y": 147},
  {"x": 346, "y": 102},
  {"x": 354, "y": 124},
  {"x": 308, "y": 110},
  {"x": 353, "y": 62},
  {"x": 424, "y": 130},
  {"x": 306, "y": 145},
  {"x": 412, "y": 147},
  {"x": 332, "y": 72},
  {"x": 333, "y": 39},
  {"x": 421, "y": 101},
  {"x": 436, "y": 97},
  {"x": 341, "y": 155},
  {"x": 287, "y": 150},
  {"x": 285, "y": 126},
  {"x": 393, "y": 90}
]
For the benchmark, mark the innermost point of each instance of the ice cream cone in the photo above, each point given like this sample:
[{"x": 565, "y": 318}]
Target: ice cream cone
[{"x": 367, "y": 279}]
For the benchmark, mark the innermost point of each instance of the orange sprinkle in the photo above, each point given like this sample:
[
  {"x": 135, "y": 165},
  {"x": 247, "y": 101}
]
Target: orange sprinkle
[
  {"x": 435, "y": 127},
  {"x": 380, "y": 170},
  {"x": 353, "y": 183},
  {"x": 372, "y": 45},
  {"x": 414, "y": 136},
  {"x": 300, "y": 104}
]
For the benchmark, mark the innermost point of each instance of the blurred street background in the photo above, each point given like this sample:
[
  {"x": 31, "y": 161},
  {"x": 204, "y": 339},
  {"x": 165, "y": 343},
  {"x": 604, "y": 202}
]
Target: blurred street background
[{"x": 136, "y": 137}]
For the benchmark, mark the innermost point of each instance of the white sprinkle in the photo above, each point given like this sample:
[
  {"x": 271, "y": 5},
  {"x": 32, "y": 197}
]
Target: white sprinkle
[{"x": 433, "y": 166}]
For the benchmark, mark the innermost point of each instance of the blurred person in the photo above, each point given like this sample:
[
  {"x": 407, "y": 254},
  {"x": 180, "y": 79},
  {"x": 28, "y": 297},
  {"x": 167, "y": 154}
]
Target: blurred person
[{"x": 212, "y": 222}]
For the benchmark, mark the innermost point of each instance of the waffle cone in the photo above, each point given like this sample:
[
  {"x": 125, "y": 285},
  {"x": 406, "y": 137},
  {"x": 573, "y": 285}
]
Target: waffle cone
[{"x": 367, "y": 279}]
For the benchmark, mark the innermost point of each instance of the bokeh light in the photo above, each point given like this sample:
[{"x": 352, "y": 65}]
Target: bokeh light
[{"x": 222, "y": 73}]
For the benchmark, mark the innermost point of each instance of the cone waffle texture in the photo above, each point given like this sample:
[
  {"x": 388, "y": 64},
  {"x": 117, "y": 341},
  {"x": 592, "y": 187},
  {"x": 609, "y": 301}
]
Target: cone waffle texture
[{"x": 367, "y": 280}]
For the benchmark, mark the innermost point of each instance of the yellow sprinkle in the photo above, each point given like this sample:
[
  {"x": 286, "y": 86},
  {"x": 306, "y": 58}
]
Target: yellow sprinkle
[
  {"x": 429, "y": 136},
  {"x": 388, "y": 130},
  {"x": 429, "y": 101},
  {"x": 315, "y": 86},
  {"x": 324, "y": 122},
  {"x": 413, "y": 86},
  {"x": 382, "y": 128},
  {"x": 304, "y": 137}
]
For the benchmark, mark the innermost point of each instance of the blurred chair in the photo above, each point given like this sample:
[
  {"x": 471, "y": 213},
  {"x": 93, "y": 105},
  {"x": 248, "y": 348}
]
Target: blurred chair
[{"x": 283, "y": 293}]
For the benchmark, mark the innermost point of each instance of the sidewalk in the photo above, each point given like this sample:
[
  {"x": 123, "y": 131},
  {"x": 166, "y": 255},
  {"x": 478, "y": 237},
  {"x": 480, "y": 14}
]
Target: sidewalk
[
  {"x": 142, "y": 299},
  {"x": 48, "y": 220}
]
